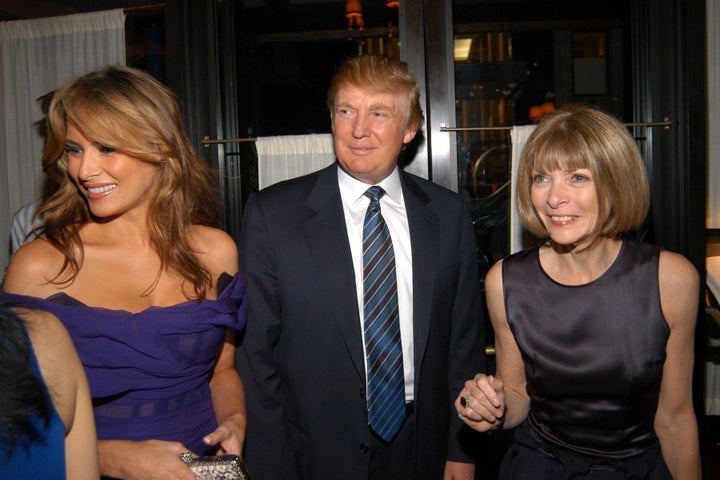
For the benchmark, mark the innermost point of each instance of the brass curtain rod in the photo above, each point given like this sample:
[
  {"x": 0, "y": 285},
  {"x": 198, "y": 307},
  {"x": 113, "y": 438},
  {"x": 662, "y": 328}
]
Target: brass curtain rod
[
  {"x": 206, "y": 141},
  {"x": 156, "y": 6},
  {"x": 665, "y": 123}
]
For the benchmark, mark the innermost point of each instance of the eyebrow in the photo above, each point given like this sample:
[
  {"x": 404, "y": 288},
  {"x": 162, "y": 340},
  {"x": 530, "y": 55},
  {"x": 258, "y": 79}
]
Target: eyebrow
[{"x": 375, "y": 106}]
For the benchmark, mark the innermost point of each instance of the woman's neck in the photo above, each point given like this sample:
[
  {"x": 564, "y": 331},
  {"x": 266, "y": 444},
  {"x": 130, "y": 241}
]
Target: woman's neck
[{"x": 578, "y": 265}]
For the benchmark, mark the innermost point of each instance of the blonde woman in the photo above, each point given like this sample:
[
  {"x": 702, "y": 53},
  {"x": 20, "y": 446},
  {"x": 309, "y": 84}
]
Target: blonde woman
[{"x": 131, "y": 262}]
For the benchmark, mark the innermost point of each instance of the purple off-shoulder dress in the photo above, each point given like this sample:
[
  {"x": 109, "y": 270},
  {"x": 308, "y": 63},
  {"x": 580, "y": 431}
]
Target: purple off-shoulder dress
[{"x": 149, "y": 371}]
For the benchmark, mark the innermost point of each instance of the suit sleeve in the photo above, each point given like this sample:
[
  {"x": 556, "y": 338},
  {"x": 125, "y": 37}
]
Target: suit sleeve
[
  {"x": 267, "y": 451},
  {"x": 467, "y": 341}
]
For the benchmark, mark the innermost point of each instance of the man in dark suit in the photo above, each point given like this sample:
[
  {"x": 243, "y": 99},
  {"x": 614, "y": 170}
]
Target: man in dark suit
[{"x": 303, "y": 356}]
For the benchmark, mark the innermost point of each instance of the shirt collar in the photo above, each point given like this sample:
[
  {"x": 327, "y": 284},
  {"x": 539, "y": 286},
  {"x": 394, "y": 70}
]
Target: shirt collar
[{"x": 356, "y": 189}]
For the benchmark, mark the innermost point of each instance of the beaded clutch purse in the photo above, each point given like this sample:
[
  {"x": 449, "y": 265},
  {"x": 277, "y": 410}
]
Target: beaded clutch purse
[{"x": 222, "y": 467}]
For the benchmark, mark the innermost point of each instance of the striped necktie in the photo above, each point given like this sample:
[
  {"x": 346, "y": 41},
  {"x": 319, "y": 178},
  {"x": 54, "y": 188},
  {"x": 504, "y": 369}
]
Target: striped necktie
[{"x": 386, "y": 384}]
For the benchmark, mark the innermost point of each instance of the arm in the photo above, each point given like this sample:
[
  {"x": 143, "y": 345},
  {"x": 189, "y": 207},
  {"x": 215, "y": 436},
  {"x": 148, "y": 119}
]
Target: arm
[
  {"x": 69, "y": 390},
  {"x": 467, "y": 344},
  {"x": 675, "y": 422},
  {"x": 492, "y": 401},
  {"x": 150, "y": 459},
  {"x": 267, "y": 449},
  {"x": 81, "y": 452},
  {"x": 228, "y": 397},
  {"x": 228, "y": 401}
]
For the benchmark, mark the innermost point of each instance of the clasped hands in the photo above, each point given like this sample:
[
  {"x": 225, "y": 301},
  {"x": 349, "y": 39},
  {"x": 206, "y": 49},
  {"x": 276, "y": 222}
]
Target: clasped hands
[{"x": 481, "y": 403}]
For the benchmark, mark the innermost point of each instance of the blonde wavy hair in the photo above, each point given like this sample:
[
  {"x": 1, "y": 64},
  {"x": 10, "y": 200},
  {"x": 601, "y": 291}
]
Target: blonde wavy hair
[
  {"x": 131, "y": 112},
  {"x": 585, "y": 137}
]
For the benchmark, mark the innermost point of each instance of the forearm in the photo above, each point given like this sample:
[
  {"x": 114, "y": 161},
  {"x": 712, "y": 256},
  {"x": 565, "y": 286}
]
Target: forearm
[
  {"x": 517, "y": 405},
  {"x": 140, "y": 460},
  {"x": 113, "y": 455},
  {"x": 680, "y": 449},
  {"x": 228, "y": 397}
]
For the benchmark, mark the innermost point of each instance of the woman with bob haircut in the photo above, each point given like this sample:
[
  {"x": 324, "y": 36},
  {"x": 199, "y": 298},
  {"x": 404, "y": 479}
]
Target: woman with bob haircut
[
  {"x": 593, "y": 329},
  {"x": 131, "y": 262}
]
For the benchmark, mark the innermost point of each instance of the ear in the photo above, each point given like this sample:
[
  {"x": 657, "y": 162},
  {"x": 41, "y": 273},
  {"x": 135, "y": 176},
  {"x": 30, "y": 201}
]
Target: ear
[{"x": 410, "y": 133}]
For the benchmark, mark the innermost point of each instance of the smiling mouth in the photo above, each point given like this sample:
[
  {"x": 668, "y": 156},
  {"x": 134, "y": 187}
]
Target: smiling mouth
[
  {"x": 561, "y": 219},
  {"x": 100, "y": 190}
]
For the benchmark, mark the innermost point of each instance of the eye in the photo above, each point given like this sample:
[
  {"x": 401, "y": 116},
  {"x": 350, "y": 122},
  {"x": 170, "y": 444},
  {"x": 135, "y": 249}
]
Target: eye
[
  {"x": 580, "y": 178},
  {"x": 72, "y": 150},
  {"x": 539, "y": 178},
  {"x": 106, "y": 150},
  {"x": 381, "y": 114}
]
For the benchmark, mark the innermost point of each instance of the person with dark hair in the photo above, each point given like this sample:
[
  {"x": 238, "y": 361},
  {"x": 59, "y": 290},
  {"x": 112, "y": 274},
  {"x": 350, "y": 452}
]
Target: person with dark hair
[
  {"x": 594, "y": 329},
  {"x": 131, "y": 261},
  {"x": 47, "y": 429},
  {"x": 363, "y": 293}
]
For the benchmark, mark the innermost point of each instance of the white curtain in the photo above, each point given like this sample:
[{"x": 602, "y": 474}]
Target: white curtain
[
  {"x": 519, "y": 135},
  {"x": 37, "y": 56},
  {"x": 713, "y": 124},
  {"x": 289, "y": 156}
]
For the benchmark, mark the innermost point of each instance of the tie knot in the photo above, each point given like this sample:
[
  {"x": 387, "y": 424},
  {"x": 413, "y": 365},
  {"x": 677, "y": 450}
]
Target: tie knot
[{"x": 374, "y": 193}]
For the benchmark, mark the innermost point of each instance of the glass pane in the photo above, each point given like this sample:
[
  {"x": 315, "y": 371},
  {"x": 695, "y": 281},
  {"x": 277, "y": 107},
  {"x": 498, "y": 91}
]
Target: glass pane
[{"x": 293, "y": 51}]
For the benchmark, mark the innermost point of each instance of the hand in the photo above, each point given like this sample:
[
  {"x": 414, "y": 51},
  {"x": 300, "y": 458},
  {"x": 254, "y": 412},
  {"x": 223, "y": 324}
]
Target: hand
[
  {"x": 151, "y": 459},
  {"x": 481, "y": 404},
  {"x": 229, "y": 437}
]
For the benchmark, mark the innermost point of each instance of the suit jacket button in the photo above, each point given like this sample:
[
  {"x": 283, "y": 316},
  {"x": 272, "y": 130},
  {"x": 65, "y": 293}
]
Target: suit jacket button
[
  {"x": 364, "y": 448},
  {"x": 362, "y": 393}
]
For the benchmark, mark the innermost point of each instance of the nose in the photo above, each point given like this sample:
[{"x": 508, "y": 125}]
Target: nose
[
  {"x": 361, "y": 126},
  {"x": 88, "y": 166},
  {"x": 557, "y": 195}
]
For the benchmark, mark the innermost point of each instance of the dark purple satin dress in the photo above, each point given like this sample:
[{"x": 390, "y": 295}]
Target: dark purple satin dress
[
  {"x": 593, "y": 358},
  {"x": 149, "y": 371}
]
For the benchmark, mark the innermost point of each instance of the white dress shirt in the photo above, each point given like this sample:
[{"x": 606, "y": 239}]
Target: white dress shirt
[{"x": 392, "y": 206}]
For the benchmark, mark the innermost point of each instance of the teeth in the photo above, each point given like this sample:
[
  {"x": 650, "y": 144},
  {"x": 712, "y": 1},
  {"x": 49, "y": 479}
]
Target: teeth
[
  {"x": 561, "y": 219},
  {"x": 104, "y": 189}
]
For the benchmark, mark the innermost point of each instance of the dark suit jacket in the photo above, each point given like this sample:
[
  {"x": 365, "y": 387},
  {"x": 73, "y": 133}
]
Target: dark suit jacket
[{"x": 301, "y": 358}]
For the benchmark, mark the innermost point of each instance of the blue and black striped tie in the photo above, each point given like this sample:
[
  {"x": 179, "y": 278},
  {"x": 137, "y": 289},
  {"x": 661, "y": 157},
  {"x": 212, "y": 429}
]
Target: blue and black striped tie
[{"x": 386, "y": 385}]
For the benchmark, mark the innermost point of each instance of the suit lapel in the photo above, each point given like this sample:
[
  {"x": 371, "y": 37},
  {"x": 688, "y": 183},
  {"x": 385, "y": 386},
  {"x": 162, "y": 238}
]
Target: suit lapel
[
  {"x": 327, "y": 240},
  {"x": 423, "y": 224}
]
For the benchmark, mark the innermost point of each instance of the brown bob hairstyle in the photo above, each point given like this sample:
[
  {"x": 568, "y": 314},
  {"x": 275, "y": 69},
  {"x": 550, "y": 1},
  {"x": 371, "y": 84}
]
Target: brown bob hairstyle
[
  {"x": 585, "y": 137},
  {"x": 379, "y": 74}
]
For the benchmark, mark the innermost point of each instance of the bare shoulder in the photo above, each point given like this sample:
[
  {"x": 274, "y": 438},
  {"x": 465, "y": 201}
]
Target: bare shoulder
[
  {"x": 216, "y": 248},
  {"x": 31, "y": 267},
  {"x": 676, "y": 273},
  {"x": 679, "y": 290},
  {"x": 493, "y": 279},
  {"x": 494, "y": 296}
]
